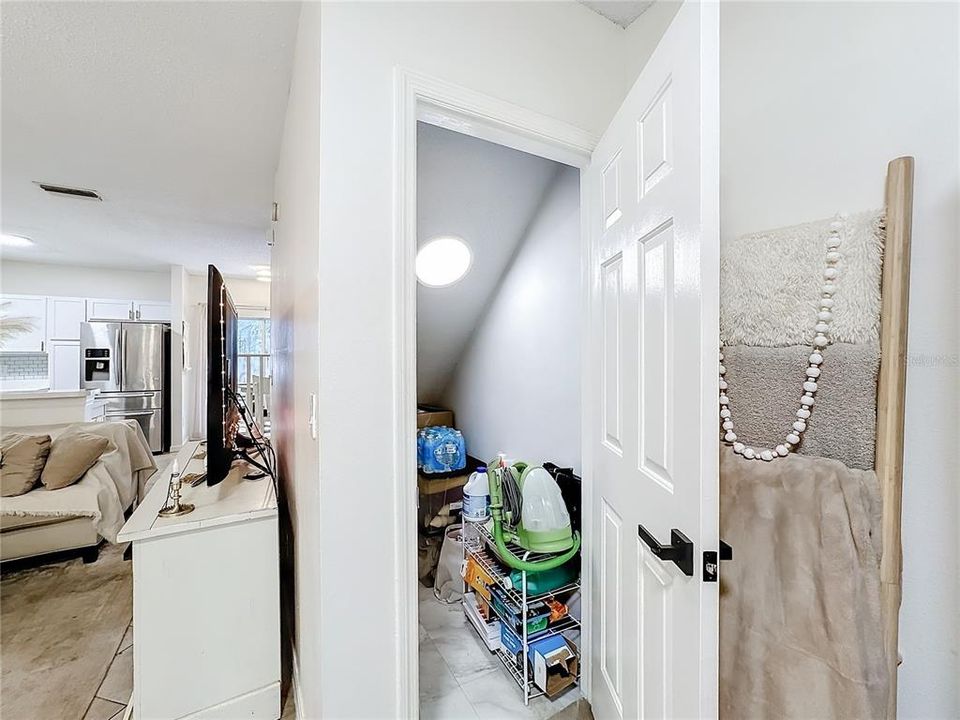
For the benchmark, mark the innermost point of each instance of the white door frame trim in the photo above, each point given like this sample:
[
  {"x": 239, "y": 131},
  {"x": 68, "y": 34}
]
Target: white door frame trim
[{"x": 441, "y": 103}]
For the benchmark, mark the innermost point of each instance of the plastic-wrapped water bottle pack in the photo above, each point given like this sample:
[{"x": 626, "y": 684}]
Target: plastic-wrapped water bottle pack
[{"x": 440, "y": 449}]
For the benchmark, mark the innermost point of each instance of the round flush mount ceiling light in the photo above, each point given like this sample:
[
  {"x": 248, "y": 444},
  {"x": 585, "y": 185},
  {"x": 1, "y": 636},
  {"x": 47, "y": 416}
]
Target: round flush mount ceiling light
[
  {"x": 15, "y": 241},
  {"x": 443, "y": 261}
]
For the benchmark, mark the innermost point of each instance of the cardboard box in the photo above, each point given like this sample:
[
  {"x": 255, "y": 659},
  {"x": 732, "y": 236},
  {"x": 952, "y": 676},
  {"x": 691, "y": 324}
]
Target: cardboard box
[
  {"x": 555, "y": 664},
  {"x": 431, "y": 416}
]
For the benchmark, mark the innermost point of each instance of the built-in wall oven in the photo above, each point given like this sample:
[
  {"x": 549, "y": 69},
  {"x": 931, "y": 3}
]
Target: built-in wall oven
[{"x": 128, "y": 362}]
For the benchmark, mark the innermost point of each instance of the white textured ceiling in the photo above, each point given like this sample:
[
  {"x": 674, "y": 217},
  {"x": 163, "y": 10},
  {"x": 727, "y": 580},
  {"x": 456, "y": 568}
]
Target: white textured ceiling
[
  {"x": 172, "y": 111},
  {"x": 621, "y": 12},
  {"x": 487, "y": 194}
]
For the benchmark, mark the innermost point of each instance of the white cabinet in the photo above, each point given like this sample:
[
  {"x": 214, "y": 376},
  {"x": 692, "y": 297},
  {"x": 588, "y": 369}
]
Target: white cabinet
[
  {"x": 64, "y": 316},
  {"x": 151, "y": 310},
  {"x": 109, "y": 309},
  {"x": 26, "y": 317},
  {"x": 223, "y": 556},
  {"x": 64, "y": 364}
]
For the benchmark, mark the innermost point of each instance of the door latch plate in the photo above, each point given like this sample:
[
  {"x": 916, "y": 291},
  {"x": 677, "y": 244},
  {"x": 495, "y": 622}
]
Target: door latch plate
[{"x": 711, "y": 566}]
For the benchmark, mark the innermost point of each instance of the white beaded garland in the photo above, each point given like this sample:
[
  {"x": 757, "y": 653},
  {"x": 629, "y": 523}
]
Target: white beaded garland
[{"x": 820, "y": 341}]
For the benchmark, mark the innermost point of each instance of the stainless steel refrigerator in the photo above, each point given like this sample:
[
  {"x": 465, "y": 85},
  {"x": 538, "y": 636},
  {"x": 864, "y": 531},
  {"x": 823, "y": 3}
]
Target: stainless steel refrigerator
[{"x": 129, "y": 363}]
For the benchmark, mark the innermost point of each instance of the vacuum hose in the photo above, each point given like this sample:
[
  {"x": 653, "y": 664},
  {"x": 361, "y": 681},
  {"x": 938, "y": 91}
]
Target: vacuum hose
[{"x": 497, "y": 494}]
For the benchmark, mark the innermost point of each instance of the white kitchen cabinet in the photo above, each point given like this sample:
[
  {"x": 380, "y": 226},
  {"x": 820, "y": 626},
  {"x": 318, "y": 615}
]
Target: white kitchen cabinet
[
  {"x": 151, "y": 310},
  {"x": 109, "y": 309},
  {"x": 64, "y": 364},
  {"x": 64, "y": 316},
  {"x": 31, "y": 310}
]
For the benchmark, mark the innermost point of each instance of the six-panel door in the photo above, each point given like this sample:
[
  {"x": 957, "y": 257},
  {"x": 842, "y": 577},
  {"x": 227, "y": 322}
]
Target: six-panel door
[{"x": 651, "y": 196}]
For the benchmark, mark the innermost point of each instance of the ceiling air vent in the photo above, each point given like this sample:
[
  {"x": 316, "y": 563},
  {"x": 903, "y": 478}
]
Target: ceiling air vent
[{"x": 69, "y": 191}]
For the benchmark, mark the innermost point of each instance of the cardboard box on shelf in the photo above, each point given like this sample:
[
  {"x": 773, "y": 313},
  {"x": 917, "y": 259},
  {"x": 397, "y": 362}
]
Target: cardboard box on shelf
[
  {"x": 432, "y": 415},
  {"x": 555, "y": 664}
]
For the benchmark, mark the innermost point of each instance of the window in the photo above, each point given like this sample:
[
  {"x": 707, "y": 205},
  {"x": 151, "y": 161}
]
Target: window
[{"x": 253, "y": 350}]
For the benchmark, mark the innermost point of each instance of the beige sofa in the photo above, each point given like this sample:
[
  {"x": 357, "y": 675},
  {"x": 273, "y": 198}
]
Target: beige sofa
[{"x": 36, "y": 531}]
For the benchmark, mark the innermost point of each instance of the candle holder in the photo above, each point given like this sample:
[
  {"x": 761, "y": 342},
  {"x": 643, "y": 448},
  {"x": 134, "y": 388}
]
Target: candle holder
[{"x": 174, "y": 507}]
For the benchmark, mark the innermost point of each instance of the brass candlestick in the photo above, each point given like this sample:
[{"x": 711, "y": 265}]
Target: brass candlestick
[{"x": 174, "y": 507}]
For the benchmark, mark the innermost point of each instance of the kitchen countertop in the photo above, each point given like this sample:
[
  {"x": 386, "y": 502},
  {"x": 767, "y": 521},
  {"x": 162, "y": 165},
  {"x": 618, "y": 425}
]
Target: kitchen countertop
[{"x": 45, "y": 394}]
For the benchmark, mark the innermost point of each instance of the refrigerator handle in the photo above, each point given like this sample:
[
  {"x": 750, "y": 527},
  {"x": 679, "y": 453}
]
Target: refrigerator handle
[{"x": 122, "y": 346}]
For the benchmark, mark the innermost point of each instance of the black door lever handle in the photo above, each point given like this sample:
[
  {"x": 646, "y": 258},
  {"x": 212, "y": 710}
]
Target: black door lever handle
[
  {"x": 726, "y": 552},
  {"x": 679, "y": 551}
]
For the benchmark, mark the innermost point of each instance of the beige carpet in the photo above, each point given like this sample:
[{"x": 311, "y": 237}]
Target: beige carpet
[{"x": 60, "y": 627}]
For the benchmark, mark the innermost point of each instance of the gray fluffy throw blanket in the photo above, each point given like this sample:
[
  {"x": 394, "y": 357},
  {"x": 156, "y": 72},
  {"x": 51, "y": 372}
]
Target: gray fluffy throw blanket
[
  {"x": 800, "y": 632},
  {"x": 765, "y": 389}
]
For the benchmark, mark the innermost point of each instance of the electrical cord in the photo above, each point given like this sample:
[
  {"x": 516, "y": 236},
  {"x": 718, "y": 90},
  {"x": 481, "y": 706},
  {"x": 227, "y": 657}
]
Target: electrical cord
[{"x": 265, "y": 449}]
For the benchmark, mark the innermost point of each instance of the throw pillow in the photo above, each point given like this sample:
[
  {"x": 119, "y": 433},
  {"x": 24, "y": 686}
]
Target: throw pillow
[
  {"x": 71, "y": 455},
  {"x": 21, "y": 461}
]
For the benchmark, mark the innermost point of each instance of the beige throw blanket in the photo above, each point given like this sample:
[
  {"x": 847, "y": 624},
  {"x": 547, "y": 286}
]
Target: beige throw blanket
[
  {"x": 765, "y": 389},
  {"x": 105, "y": 491},
  {"x": 800, "y": 632}
]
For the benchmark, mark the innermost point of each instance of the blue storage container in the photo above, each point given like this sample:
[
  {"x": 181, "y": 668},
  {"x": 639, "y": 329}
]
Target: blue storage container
[{"x": 510, "y": 642}]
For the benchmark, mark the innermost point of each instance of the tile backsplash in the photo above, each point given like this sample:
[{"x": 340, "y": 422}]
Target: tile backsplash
[{"x": 17, "y": 366}]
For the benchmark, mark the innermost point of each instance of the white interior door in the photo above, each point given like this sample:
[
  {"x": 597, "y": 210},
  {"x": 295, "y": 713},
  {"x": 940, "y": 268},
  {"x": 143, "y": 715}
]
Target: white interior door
[{"x": 652, "y": 193}]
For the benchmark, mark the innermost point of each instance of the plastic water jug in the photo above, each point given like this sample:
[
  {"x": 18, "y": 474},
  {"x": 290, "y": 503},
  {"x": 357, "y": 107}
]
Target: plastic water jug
[{"x": 476, "y": 496}]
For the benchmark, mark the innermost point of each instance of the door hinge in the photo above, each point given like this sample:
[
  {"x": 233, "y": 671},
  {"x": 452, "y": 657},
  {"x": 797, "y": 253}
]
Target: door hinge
[{"x": 275, "y": 213}]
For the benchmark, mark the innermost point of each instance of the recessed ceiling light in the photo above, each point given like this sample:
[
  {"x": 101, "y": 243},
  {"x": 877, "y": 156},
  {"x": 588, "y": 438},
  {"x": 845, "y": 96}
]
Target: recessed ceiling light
[
  {"x": 443, "y": 261},
  {"x": 263, "y": 279},
  {"x": 15, "y": 241}
]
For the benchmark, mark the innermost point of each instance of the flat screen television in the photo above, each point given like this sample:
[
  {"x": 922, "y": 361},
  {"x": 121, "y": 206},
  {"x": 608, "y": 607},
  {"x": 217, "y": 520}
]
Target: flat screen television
[{"x": 223, "y": 416}]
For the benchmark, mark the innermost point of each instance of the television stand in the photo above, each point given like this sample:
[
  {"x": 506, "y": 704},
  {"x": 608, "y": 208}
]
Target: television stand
[{"x": 206, "y": 599}]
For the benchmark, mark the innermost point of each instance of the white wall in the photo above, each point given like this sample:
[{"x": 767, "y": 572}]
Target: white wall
[
  {"x": 73, "y": 281},
  {"x": 295, "y": 372},
  {"x": 245, "y": 292},
  {"x": 557, "y": 58},
  {"x": 527, "y": 403},
  {"x": 816, "y": 98}
]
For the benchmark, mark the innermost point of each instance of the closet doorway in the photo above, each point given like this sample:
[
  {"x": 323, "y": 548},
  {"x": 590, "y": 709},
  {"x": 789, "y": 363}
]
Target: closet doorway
[
  {"x": 499, "y": 311},
  {"x": 643, "y": 313}
]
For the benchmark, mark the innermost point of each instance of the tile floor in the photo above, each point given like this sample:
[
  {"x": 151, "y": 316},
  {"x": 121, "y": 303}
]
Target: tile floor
[
  {"x": 83, "y": 589},
  {"x": 461, "y": 680},
  {"x": 110, "y": 702}
]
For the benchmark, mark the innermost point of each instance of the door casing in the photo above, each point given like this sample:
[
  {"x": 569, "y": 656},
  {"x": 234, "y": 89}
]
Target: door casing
[{"x": 419, "y": 97}]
